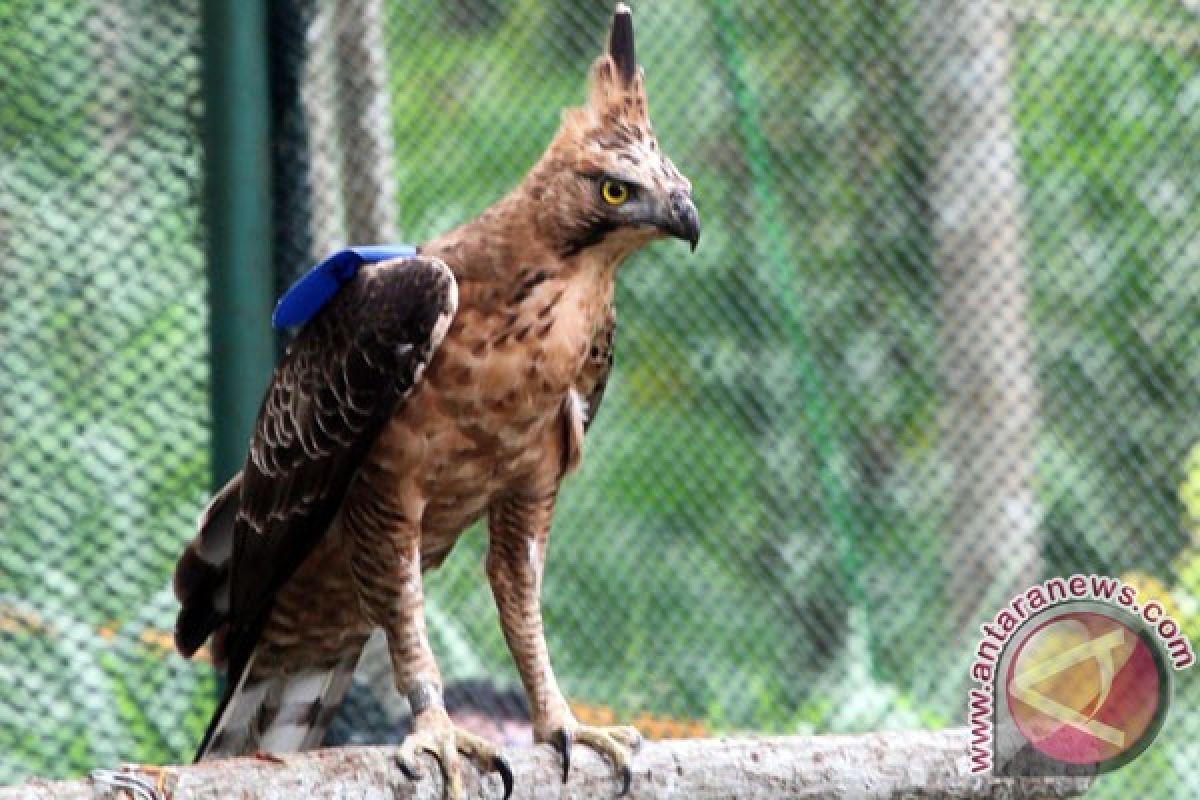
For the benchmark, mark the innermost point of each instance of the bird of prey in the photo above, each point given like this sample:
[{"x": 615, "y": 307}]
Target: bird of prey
[{"x": 430, "y": 391}]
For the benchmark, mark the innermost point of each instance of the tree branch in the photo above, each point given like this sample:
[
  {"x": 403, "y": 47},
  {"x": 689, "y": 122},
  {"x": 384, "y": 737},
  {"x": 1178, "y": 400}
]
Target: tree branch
[{"x": 877, "y": 765}]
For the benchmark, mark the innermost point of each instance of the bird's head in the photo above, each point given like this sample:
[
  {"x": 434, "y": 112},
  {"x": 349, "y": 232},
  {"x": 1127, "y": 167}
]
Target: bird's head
[{"x": 604, "y": 185}]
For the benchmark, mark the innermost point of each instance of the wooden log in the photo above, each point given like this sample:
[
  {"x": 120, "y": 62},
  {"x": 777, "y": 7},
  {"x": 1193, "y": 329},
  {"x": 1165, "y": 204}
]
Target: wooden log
[{"x": 876, "y": 765}]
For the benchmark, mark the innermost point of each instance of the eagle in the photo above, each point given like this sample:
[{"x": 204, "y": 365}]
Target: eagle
[{"x": 431, "y": 390}]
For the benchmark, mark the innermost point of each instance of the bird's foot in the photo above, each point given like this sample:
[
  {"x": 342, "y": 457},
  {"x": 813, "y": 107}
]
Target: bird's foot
[
  {"x": 139, "y": 781},
  {"x": 617, "y": 743},
  {"x": 437, "y": 735}
]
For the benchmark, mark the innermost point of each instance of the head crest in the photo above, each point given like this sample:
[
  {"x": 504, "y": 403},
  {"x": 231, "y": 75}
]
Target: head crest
[
  {"x": 620, "y": 44},
  {"x": 604, "y": 184},
  {"x": 618, "y": 83}
]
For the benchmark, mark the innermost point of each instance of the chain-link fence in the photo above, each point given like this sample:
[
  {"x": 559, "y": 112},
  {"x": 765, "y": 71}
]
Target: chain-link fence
[
  {"x": 103, "y": 362},
  {"x": 939, "y": 341}
]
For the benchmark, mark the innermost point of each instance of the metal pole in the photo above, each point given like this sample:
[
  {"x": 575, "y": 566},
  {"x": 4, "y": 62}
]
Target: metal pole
[
  {"x": 811, "y": 385},
  {"x": 239, "y": 222}
]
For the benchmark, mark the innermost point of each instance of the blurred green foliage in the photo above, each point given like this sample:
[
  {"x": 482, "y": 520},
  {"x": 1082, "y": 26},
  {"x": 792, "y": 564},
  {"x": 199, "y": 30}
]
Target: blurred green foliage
[
  {"x": 698, "y": 569},
  {"x": 104, "y": 367}
]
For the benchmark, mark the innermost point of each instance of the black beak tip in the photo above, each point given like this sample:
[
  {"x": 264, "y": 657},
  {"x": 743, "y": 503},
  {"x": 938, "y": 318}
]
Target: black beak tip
[
  {"x": 685, "y": 220},
  {"x": 691, "y": 226}
]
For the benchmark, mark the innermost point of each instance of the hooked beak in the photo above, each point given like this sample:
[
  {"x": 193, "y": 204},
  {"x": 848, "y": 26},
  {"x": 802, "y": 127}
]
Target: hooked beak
[{"x": 681, "y": 219}]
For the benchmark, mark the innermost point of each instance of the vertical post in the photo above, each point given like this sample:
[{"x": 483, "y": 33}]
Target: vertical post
[
  {"x": 239, "y": 222},
  {"x": 365, "y": 121},
  {"x": 993, "y": 544}
]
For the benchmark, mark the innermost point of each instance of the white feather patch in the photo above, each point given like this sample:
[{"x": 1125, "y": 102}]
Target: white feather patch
[
  {"x": 581, "y": 405},
  {"x": 214, "y": 545},
  {"x": 575, "y": 410},
  {"x": 284, "y": 738},
  {"x": 233, "y": 729},
  {"x": 305, "y": 687},
  {"x": 244, "y": 705}
]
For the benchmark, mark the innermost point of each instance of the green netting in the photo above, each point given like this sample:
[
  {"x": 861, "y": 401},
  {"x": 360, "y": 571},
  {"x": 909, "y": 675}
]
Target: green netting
[{"x": 939, "y": 340}]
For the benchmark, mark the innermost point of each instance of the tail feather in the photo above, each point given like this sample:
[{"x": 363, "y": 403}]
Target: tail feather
[
  {"x": 265, "y": 707},
  {"x": 202, "y": 574},
  {"x": 279, "y": 712}
]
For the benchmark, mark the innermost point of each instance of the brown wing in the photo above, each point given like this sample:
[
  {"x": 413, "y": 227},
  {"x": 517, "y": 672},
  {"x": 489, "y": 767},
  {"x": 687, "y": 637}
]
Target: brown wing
[
  {"x": 338, "y": 384},
  {"x": 594, "y": 378},
  {"x": 582, "y": 403}
]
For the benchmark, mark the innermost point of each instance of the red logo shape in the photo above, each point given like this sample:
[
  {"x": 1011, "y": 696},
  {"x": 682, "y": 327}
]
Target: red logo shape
[{"x": 1084, "y": 688}]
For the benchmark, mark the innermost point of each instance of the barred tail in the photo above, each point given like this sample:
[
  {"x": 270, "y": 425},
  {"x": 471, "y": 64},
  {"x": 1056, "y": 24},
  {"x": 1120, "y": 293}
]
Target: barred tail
[
  {"x": 279, "y": 712},
  {"x": 264, "y": 708}
]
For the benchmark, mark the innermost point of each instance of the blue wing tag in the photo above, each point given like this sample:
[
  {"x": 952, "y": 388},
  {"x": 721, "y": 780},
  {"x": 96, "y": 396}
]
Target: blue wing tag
[{"x": 313, "y": 292}]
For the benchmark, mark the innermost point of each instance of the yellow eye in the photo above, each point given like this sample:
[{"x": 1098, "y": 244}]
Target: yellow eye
[{"x": 614, "y": 192}]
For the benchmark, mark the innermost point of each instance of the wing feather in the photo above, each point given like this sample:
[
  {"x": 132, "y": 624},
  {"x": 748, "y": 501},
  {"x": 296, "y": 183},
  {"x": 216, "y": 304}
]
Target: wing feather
[
  {"x": 599, "y": 367},
  {"x": 341, "y": 380},
  {"x": 582, "y": 402}
]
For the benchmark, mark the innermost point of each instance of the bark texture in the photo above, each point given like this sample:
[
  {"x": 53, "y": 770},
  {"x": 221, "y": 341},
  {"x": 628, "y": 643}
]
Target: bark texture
[{"x": 880, "y": 765}]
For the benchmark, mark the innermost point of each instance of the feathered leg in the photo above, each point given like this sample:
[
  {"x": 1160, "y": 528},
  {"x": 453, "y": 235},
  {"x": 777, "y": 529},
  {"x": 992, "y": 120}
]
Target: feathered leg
[
  {"x": 519, "y": 528},
  {"x": 386, "y": 562}
]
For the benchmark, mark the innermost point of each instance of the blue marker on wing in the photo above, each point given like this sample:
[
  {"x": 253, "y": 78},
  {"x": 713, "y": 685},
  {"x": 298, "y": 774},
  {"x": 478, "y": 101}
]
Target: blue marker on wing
[{"x": 313, "y": 292}]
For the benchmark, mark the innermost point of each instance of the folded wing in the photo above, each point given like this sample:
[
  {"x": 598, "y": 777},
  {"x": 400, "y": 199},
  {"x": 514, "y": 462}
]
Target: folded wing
[{"x": 345, "y": 375}]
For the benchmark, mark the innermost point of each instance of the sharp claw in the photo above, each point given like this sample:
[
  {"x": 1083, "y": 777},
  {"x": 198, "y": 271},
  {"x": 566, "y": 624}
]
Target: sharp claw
[
  {"x": 562, "y": 742},
  {"x": 447, "y": 759},
  {"x": 626, "y": 780},
  {"x": 446, "y": 743},
  {"x": 406, "y": 768},
  {"x": 501, "y": 765}
]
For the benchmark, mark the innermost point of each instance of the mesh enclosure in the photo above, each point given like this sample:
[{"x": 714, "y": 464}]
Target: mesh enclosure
[
  {"x": 939, "y": 341},
  {"x": 104, "y": 418}
]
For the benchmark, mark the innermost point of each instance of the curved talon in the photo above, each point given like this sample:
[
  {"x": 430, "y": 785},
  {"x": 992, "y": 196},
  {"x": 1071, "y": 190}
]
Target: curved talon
[
  {"x": 406, "y": 768},
  {"x": 452, "y": 780},
  {"x": 500, "y": 764},
  {"x": 617, "y": 744},
  {"x": 562, "y": 740},
  {"x": 448, "y": 744}
]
